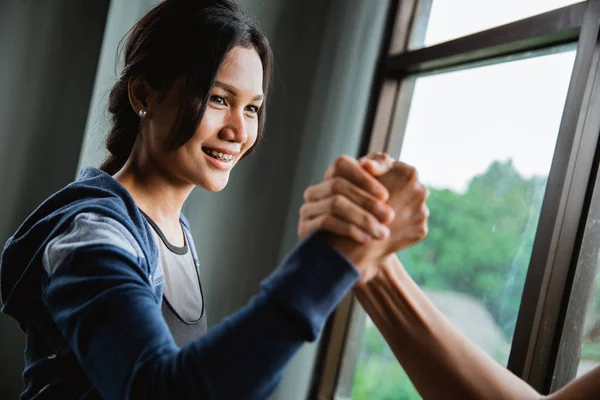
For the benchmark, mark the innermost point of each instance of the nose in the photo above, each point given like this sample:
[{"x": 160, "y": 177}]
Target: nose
[{"x": 234, "y": 129}]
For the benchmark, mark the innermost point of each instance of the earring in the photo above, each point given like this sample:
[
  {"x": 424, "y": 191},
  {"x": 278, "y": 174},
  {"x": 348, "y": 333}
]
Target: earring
[{"x": 142, "y": 113}]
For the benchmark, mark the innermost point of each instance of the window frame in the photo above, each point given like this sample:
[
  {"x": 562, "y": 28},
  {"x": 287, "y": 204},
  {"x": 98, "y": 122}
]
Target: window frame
[{"x": 560, "y": 279}]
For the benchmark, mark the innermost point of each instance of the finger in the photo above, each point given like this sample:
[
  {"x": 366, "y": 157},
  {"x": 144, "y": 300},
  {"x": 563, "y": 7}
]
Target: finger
[
  {"x": 342, "y": 186},
  {"x": 332, "y": 224},
  {"x": 350, "y": 169},
  {"x": 348, "y": 211},
  {"x": 377, "y": 164}
]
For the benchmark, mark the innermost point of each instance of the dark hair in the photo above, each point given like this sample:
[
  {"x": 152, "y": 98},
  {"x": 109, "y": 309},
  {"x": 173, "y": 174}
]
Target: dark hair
[{"x": 186, "y": 39}]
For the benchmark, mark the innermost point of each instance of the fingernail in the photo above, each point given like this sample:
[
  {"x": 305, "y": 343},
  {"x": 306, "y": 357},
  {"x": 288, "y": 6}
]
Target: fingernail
[
  {"x": 382, "y": 212},
  {"x": 382, "y": 231},
  {"x": 392, "y": 215},
  {"x": 365, "y": 237},
  {"x": 380, "y": 193}
]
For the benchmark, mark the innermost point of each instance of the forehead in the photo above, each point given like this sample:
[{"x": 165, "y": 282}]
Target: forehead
[{"x": 242, "y": 69}]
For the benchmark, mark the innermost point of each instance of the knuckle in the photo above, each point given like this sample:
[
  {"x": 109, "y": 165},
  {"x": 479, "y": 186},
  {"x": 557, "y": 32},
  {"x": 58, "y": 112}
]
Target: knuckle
[
  {"x": 302, "y": 211},
  {"x": 307, "y": 193},
  {"x": 423, "y": 192},
  {"x": 423, "y": 232},
  {"x": 329, "y": 172},
  {"x": 300, "y": 232},
  {"x": 338, "y": 185},
  {"x": 408, "y": 171},
  {"x": 338, "y": 202},
  {"x": 341, "y": 161},
  {"x": 323, "y": 222},
  {"x": 367, "y": 221},
  {"x": 425, "y": 211},
  {"x": 353, "y": 231},
  {"x": 368, "y": 204},
  {"x": 411, "y": 173},
  {"x": 329, "y": 221}
]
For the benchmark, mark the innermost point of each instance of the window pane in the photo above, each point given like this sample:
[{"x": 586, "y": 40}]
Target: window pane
[
  {"x": 590, "y": 351},
  {"x": 451, "y": 19},
  {"x": 482, "y": 140}
]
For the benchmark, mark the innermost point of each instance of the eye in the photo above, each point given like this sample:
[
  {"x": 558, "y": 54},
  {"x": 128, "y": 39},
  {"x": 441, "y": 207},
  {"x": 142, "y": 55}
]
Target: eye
[
  {"x": 253, "y": 109},
  {"x": 218, "y": 99}
]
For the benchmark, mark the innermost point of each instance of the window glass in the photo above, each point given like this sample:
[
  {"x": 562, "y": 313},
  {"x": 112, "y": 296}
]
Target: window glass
[
  {"x": 590, "y": 351},
  {"x": 451, "y": 19},
  {"x": 482, "y": 140}
]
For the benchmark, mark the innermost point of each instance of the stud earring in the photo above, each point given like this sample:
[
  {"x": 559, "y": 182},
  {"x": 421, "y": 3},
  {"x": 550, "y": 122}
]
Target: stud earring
[{"x": 142, "y": 113}]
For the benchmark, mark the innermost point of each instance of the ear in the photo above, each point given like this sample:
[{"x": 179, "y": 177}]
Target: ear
[{"x": 140, "y": 95}]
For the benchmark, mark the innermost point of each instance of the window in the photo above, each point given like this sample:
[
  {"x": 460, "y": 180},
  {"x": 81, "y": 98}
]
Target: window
[
  {"x": 590, "y": 352},
  {"x": 503, "y": 126},
  {"x": 482, "y": 140},
  {"x": 451, "y": 19}
]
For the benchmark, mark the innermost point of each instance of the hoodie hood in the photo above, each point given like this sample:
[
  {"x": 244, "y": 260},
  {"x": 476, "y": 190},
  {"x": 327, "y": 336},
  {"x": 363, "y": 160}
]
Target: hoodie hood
[{"x": 20, "y": 263}]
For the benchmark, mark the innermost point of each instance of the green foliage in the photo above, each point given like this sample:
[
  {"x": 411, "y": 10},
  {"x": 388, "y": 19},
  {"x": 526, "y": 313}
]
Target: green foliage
[
  {"x": 589, "y": 351},
  {"x": 479, "y": 243},
  {"x": 378, "y": 374}
]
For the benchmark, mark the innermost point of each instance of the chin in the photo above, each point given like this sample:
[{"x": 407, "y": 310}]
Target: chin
[{"x": 213, "y": 184}]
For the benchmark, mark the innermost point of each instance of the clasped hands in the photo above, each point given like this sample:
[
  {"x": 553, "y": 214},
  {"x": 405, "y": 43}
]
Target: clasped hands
[{"x": 370, "y": 208}]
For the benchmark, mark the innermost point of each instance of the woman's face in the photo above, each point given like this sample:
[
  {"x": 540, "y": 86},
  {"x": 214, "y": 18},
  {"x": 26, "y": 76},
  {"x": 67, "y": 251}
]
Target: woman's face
[{"x": 228, "y": 129}]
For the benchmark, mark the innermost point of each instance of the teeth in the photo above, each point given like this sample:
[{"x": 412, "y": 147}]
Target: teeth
[{"x": 220, "y": 156}]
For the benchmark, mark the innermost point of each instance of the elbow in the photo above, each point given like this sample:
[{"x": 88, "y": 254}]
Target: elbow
[{"x": 165, "y": 377}]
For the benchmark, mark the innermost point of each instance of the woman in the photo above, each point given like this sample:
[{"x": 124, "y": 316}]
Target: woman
[{"x": 85, "y": 275}]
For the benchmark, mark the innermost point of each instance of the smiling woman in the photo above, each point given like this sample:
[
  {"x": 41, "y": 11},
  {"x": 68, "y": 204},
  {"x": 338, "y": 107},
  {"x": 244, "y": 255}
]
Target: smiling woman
[
  {"x": 103, "y": 276},
  {"x": 228, "y": 129}
]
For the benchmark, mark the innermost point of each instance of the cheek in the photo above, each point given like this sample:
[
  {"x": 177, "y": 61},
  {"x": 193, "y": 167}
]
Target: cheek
[
  {"x": 252, "y": 130},
  {"x": 210, "y": 125}
]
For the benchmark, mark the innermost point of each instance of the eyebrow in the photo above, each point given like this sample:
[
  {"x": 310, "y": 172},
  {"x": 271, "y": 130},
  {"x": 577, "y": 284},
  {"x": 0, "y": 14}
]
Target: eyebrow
[{"x": 233, "y": 91}]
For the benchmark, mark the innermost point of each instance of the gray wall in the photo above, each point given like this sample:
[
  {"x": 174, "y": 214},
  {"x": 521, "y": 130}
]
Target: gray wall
[
  {"x": 325, "y": 56},
  {"x": 122, "y": 15},
  {"x": 48, "y": 60}
]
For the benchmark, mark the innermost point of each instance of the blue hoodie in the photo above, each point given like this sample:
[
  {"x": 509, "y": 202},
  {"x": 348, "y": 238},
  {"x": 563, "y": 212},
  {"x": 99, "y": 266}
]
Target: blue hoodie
[{"x": 80, "y": 277}]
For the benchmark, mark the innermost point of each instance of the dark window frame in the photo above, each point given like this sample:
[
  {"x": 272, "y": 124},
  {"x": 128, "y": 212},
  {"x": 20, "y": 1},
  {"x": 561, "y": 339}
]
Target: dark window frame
[{"x": 559, "y": 283}]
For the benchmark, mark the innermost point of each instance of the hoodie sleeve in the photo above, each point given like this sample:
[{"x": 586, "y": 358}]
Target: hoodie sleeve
[{"x": 101, "y": 299}]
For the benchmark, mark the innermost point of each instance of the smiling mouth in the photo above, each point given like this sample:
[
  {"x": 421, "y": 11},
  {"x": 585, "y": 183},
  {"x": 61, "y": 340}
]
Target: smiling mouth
[{"x": 218, "y": 156}]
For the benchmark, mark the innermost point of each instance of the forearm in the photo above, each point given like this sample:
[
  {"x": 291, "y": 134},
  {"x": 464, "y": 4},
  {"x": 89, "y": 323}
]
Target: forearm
[
  {"x": 101, "y": 300},
  {"x": 440, "y": 361},
  {"x": 242, "y": 357}
]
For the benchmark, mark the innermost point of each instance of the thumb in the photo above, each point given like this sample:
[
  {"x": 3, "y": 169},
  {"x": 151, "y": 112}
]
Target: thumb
[{"x": 377, "y": 164}]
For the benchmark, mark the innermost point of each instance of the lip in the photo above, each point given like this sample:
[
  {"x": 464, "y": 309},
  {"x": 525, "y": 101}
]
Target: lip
[
  {"x": 222, "y": 165},
  {"x": 223, "y": 150}
]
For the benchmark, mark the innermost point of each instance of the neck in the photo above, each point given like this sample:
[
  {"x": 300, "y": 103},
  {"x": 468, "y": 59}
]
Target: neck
[{"x": 157, "y": 193}]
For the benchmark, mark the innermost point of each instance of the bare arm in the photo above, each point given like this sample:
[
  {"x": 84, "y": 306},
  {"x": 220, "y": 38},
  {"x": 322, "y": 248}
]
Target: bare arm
[
  {"x": 440, "y": 361},
  {"x": 585, "y": 387}
]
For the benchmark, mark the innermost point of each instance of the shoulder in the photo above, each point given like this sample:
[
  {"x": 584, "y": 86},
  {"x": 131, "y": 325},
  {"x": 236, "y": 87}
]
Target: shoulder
[
  {"x": 188, "y": 234},
  {"x": 89, "y": 229},
  {"x": 185, "y": 222}
]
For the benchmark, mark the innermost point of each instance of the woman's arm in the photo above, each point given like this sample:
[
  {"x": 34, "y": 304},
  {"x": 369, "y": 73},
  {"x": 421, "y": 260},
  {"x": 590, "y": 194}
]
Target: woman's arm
[
  {"x": 100, "y": 298},
  {"x": 440, "y": 361},
  {"x": 105, "y": 307}
]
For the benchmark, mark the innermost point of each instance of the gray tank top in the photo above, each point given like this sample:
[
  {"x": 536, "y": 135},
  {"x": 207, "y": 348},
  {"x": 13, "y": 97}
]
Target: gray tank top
[{"x": 183, "y": 300}]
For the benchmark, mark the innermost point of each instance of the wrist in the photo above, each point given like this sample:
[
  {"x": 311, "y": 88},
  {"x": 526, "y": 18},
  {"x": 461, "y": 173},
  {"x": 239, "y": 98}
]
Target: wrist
[
  {"x": 380, "y": 271},
  {"x": 359, "y": 255}
]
